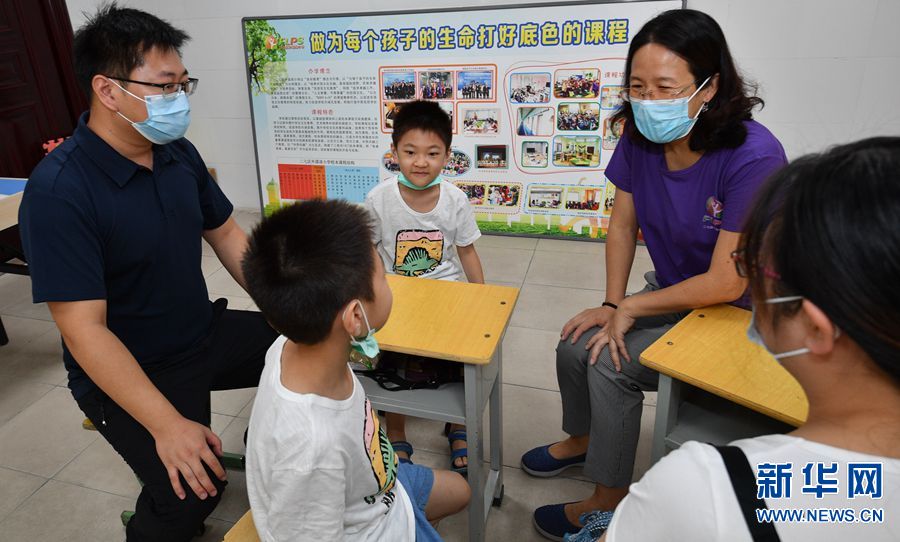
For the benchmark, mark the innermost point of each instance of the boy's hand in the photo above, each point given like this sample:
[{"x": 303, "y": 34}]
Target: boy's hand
[{"x": 183, "y": 446}]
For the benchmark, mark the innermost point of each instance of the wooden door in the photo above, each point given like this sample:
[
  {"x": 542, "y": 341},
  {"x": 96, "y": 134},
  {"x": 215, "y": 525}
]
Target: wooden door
[{"x": 39, "y": 99}]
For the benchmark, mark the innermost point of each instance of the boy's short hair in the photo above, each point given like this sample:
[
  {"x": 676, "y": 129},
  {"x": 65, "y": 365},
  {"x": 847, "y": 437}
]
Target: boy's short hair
[
  {"x": 426, "y": 116},
  {"x": 306, "y": 262},
  {"x": 114, "y": 41}
]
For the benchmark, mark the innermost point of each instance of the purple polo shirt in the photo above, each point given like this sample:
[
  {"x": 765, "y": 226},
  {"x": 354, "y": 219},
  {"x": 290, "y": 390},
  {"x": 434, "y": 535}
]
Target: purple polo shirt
[{"x": 681, "y": 212}]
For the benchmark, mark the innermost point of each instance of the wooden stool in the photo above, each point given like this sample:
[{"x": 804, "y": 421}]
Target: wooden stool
[{"x": 242, "y": 531}]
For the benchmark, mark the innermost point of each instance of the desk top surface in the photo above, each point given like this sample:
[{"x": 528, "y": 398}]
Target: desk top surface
[
  {"x": 10, "y": 198},
  {"x": 446, "y": 319},
  {"x": 709, "y": 349}
]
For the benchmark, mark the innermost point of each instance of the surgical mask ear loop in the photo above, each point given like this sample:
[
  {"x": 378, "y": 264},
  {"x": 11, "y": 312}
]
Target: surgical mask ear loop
[
  {"x": 368, "y": 345},
  {"x": 754, "y": 336}
]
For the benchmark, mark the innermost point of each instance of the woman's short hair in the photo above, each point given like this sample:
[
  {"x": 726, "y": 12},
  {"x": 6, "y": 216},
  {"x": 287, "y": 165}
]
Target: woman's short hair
[
  {"x": 698, "y": 39},
  {"x": 828, "y": 225}
]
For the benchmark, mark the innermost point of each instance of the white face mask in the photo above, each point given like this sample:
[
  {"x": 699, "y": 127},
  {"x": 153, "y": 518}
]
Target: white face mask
[{"x": 755, "y": 337}]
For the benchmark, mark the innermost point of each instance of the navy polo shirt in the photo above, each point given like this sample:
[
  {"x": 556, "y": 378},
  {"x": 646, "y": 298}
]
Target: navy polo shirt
[{"x": 96, "y": 225}]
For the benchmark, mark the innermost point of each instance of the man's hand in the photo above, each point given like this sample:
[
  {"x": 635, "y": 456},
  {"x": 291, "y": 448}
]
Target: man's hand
[
  {"x": 183, "y": 446},
  {"x": 584, "y": 321}
]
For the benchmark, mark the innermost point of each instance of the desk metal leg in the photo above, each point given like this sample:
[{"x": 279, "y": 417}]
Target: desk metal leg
[
  {"x": 667, "y": 403},
  {"x": 486, "y": 482},
  {"x": 474, "y": 429},
  {"x": 495, "y": 478}
]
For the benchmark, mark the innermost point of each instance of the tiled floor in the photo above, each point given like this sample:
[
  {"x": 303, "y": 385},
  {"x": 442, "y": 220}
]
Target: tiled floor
[{"x": 59, "y": 482}]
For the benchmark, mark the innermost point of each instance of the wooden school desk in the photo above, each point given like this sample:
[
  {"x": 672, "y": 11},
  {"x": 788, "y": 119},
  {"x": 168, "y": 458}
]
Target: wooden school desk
[
  {"x": 10, "y": 198},
  {"x": 706, "y": 357},
  {"x": 10, "y": 248}
]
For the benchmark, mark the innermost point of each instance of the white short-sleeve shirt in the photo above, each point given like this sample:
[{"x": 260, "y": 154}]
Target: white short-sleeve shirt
[
  {"x": 422, "y": 244},
  {"x": 321, "y": 469},
  {"x": 688, "y": 496}
]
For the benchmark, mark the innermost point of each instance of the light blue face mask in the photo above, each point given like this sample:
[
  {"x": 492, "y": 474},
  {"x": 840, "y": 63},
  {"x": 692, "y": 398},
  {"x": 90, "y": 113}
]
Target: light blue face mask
[
  {"x": 168, "y": 117},
  {"x": 755, "y": 337},
  {"x": 407, "y": 183},
  {"x": 664, "y": 121},
  {"x": 368, "y": 345}
]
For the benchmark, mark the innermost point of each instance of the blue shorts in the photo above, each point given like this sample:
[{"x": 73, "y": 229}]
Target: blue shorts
[{"x": 418, "y": 481}]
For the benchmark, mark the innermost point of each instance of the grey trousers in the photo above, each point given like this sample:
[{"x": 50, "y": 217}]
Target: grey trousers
[{"x": 605, "y": 404}]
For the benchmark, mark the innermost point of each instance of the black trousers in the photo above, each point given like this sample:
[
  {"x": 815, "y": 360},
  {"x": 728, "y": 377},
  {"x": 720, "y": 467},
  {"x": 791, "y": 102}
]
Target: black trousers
[{"x": 232, "y": 356}]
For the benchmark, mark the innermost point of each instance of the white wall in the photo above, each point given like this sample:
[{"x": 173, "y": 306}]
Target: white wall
[{"x": 829, "y": 70}]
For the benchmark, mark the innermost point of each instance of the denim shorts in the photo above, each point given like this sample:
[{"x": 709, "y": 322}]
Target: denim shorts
[{"x": 418, "y": 481}]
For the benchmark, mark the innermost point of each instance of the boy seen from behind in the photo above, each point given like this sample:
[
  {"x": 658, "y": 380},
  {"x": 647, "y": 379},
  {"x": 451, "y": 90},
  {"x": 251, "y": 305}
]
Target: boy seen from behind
[{"x": 319, "y": 466}]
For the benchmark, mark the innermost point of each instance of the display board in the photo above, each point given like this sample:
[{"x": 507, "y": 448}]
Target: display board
[{"x": 531, "y": 91}]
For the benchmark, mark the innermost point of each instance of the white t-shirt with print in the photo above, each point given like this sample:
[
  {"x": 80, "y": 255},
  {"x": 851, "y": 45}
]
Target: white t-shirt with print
[
  {"x": 422, "y": 244},
  {"x": 688, "y": 496},
  {"x": 321, "y": 469}
]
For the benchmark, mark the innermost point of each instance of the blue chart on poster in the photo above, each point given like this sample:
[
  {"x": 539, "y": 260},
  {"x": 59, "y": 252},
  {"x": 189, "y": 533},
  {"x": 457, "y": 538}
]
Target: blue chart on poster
[{"x": 350, "y": 183}]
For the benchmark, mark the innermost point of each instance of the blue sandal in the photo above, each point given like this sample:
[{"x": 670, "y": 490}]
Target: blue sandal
[
  {"x": 405, "y": 447},
  {"x": 453, "y": 436}
]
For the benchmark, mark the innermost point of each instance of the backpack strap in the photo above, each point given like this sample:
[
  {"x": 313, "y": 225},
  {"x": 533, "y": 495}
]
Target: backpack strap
[{"x": 743, "y": 481}]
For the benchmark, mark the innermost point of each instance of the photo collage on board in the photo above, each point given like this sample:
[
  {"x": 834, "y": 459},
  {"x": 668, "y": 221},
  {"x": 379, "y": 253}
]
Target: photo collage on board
[
  {"x": 562, "y": 123},
  {"x": 461, "y": 90},
  {"x": 557, "y": 120}
]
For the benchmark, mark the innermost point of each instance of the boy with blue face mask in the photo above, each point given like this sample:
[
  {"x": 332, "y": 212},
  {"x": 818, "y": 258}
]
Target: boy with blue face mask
[
  {"x": 425, "y": 228},
  {"x": 319, "y": 466}
]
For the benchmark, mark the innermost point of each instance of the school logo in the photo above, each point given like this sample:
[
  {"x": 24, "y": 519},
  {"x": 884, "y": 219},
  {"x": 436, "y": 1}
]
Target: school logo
[
  {"x": 418, "y": 252},
  {"x": 277, "y": 42},
  {"x": 712, "y": 220}
]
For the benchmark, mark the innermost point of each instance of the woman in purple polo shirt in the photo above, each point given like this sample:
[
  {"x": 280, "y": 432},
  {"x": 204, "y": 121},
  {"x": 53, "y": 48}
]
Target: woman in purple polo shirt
[{"x": 687, "y": 168}]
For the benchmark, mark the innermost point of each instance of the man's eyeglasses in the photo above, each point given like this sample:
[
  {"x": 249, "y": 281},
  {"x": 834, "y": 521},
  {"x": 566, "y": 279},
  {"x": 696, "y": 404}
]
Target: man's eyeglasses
[{"x": 169, "y": 90}]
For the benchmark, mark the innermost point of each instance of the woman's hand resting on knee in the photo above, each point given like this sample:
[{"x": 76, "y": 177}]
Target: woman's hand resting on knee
[
  {"x": 584, "y": 321},
  {"x": 613, "y": 336}
]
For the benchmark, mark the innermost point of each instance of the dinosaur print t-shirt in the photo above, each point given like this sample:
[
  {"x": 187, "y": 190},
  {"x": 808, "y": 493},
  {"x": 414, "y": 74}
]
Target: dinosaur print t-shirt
[
  {"x": 417, "y": 244},
  {"x": 321, "y": 469}
]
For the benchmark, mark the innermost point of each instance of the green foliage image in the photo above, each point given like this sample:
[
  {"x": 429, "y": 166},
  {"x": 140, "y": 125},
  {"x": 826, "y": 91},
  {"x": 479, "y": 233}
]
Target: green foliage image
[{"x": 265, "y": 56}]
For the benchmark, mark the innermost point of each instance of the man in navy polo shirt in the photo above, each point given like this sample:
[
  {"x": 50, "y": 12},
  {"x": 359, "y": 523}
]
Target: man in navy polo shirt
[{"x": 112, "y": 222}]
